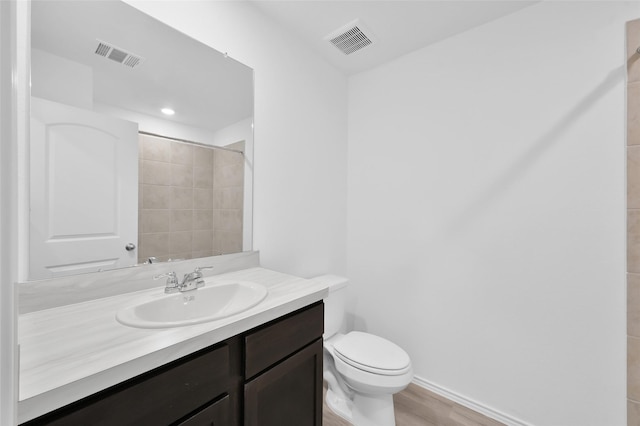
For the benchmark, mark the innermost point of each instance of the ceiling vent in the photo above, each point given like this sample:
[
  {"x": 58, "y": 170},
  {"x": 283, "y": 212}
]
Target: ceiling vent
[
  {"x": 118, "y": 55},
  {"x": 350, "y": 38}
]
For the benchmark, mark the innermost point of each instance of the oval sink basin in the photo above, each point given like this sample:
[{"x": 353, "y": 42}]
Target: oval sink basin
[{"x": 209, "y": 303}]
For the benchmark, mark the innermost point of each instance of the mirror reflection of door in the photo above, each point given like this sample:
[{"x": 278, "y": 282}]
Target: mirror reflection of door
[{"x": 83, "y": 165}]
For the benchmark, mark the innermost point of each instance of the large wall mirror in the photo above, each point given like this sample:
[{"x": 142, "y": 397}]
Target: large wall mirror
[{"x": 141, "y": 142}]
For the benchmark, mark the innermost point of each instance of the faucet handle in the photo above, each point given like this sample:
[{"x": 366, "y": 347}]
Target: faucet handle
[
  {"x": 197, "y": 275},
  {"x": 170, "y": 276},
  {"x": 172, "y": 281}
]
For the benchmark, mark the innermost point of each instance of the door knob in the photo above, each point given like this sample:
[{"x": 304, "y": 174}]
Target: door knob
[{"x": 130, "y": 247}]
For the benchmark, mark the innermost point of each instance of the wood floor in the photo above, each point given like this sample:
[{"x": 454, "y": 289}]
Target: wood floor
[{"x": 416, "y": 406}]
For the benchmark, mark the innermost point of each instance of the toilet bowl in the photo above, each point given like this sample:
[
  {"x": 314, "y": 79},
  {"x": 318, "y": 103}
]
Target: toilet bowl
[{"x": 362, "y": 370}]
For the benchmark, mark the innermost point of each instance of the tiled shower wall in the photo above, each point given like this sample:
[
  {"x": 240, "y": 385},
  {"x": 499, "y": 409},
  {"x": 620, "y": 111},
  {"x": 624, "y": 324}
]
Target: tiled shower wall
[
  {"x": 633, "y": 223},
  {"x": 190, "y": 199}
]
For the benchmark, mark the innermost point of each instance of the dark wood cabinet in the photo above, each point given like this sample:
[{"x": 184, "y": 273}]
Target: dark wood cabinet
[
  {"x": 274, "y": 341},
  {"x": 289, "y": 394},
  {"x": 270, "y": 375},
  {"x": 283, "y": 369},
  {"x": 215, "y": 414}
]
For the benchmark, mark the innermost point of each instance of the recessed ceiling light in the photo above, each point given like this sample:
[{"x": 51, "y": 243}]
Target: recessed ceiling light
[{"x": 167, "y": 111}]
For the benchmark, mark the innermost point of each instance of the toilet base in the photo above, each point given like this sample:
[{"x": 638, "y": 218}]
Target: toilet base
[
  {"x": 373, "y": 410},
  {"x": 339, "y": 405},
  {"x": 364, "y": 410}
]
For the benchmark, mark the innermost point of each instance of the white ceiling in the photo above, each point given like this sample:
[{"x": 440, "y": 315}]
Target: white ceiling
[{"x": 398, "y": 26}]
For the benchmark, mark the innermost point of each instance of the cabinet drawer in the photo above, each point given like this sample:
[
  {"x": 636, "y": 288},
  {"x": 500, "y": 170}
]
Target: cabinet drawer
[
  {"x": 216, "y": 414},
  {"x": 159, "y": 397},
  {"x": 281, "y": 338}
]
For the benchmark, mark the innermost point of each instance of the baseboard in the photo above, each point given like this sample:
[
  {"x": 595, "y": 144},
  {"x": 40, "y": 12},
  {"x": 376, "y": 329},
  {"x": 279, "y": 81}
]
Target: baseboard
[{"x": 469, "y": 403}]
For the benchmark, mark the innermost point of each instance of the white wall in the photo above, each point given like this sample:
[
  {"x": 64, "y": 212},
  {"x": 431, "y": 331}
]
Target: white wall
[
  {"x": 61, "y": 80},
  {"x": 486, "y": 228},
  {"x": 300, "y": 134}
]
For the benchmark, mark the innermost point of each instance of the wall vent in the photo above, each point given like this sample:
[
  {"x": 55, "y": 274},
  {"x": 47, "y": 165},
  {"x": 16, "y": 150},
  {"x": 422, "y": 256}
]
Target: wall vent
[
  {"x": 351, "y": 38},
  {"x": 118, "y": 55}
]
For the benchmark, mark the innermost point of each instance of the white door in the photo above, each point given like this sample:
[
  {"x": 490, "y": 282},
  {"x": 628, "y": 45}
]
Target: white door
[{"x": 84, "y": 191}]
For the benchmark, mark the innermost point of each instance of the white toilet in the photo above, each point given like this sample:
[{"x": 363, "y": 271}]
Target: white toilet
[{"x": 363, "y": 371}]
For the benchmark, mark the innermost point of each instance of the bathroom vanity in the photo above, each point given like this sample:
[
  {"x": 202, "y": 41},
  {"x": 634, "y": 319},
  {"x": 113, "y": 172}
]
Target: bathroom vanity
[{"x": 260, "y": 367}]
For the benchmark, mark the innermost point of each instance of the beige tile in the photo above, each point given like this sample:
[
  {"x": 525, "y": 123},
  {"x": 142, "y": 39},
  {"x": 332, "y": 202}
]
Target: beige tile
[
  {"x": 181, "y": 153},
  {"x": 633, "y": 58},
  {"x": 203, "y": 241},
  {"x": 633, "y": 305},
  {"x": 633, "y": 413},
  {"x": 228, "y": 242},
  {"x": 229, "y": 175},
  {"x": 156, "y": 173},
  {"x": 633, "y": 368},
  {"x": 633, "y": 241},
  {"x": 225, "y": 158},
  {"x": 180, "y": 242},
  {"x": 153, "y": 221},
  {"x": 633, "y": 177},
  {"x": 155, "y": 244},
  {"x": 228, "y": 198},
  {"x": 202, "y": 198},
  {"x": 156, "y": 197},
  {"x": 199, "y": 254},
  {"x": 140, "y": 196},
  {"x": 181, "y": 220},
  {"x": 238, "y": 146},
  {"x": 218, "y": 198},
  {"x": 202, "y": 157},
  {"x": 182, "y": 175},
  {"x": 203, "y": 220},
  {"x": 153, "y": 148},
  {"x": 181, "y": 256},
  {"x": 228, "y": 220},
  {"x": 203, "y": 177},
  {"x": 633, "y": 114},
  {"x": 181, "y": 198}
]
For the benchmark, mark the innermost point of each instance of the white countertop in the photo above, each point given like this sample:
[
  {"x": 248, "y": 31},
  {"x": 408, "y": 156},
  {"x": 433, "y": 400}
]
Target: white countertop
[{"x": 73, "y": 351}]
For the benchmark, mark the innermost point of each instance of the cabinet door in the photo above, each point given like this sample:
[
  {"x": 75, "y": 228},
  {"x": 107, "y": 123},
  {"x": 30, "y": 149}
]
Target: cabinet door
[
  {"x": 289, "y": 394},
  {"x": 216, "y": 414}
]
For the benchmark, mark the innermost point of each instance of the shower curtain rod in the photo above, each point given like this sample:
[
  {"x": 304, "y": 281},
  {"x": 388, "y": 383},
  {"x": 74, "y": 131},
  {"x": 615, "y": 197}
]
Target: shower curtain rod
[{"x": 188, "y": 141}]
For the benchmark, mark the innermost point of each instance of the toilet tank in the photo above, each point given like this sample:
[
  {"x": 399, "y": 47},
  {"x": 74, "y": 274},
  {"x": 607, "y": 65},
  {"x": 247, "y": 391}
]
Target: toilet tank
[{"x": 334, "y": 303}]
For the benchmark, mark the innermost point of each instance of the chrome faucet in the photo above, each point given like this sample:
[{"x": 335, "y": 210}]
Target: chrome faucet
[{"x": 191, "y": 281}]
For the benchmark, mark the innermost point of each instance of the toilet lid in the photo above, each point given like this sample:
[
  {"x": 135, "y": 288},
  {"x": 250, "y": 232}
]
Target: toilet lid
[{"x": 372, "y": 353}]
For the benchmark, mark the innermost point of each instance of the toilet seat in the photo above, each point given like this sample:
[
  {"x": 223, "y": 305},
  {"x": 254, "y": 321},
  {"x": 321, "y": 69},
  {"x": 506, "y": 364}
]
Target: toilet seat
[{"x": 372, "y": 354}]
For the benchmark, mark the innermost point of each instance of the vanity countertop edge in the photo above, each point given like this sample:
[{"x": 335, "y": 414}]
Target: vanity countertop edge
[{"x": 73, "y": 351}]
